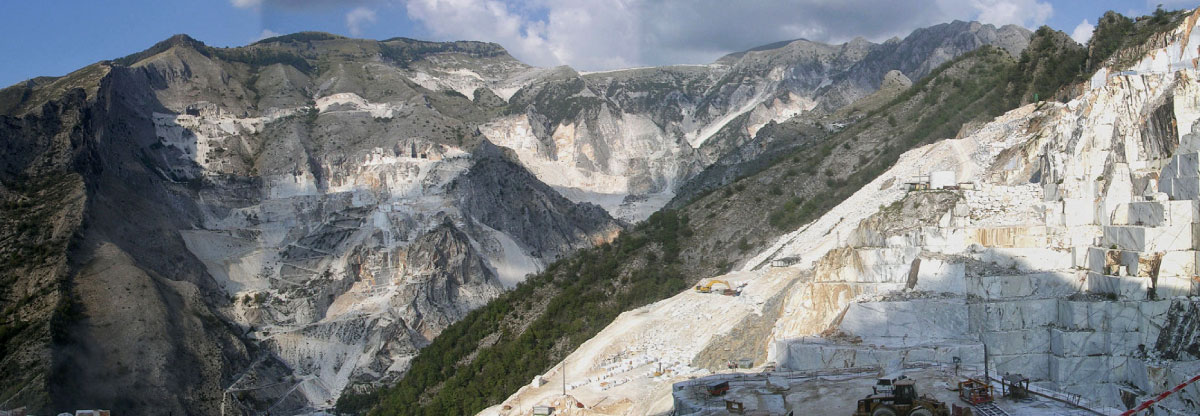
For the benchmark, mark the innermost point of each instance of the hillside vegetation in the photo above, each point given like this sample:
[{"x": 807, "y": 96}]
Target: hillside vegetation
[
  {"x": 1054, "y": 62},
  {"x": 495, "y": 350},
  {"x": 65, "y": 218},
  {"x": 484, "y": 358}
]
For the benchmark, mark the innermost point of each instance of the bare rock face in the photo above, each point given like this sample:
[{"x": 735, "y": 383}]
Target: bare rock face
[
  {"x": 895, "y": 79},
  {"x": 1059, "y": 247},
  {"x": 252, "y": 230},
  {"x": 499, "y": 194},
  {"x": 73, "y": 158},
  {"x": 919, "y": 54},
  {"x": 1179, "y": 338},
  {"x": 249, "y": 235},
  {"x": 631, "y": 140},
  {"x": 171, "y": 328}
]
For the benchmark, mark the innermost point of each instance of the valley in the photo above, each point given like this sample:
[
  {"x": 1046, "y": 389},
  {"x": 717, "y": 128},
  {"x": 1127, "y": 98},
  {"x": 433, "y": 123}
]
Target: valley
[{"x": 316, "y": 224}]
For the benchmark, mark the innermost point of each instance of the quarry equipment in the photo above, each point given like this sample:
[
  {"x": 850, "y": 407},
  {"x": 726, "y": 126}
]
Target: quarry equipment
[
  {"x": 901, "y": 400},
  {"x": 1015, "y": 386},
  {"x": 975, "y": 392},
  {"x": 1146, "y": 404},
  {"x": 708, "y": 287},
  {"x": 718, "y": 389},
  {"x": 988, "y": 409},
  {"x": 884, "y": 387}
]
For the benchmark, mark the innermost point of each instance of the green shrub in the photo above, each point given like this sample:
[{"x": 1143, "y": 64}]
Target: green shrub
[{"x": 443, "y": 380}]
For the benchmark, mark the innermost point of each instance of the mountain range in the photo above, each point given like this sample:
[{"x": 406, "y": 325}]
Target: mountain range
[{"x": 298, "y": 223}]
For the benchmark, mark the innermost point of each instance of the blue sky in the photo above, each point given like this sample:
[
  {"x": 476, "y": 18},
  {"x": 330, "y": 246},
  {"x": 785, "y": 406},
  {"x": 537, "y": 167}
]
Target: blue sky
[{"x": 56, "y": 37}]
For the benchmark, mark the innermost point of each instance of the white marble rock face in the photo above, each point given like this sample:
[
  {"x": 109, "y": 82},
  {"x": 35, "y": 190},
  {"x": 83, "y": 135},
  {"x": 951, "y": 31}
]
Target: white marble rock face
[
  {"x": 1080, "y": 281},
  {"x": 343, "y": 264}
]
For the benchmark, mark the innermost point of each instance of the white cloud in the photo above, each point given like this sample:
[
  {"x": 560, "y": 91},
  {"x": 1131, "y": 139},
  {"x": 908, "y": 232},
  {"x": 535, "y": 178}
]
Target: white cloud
[
  {"x": 1028, "y": 13},
  {"x": 246, "y": 4},
  {"x": 604, "y": 34},
  {"x": 1083, "y": 32},
  {"x": 298, "y": 4},
  {"x": 486, "y": 21},
  {"x": 266, "y": 33},
  {"x": 357, "y": 18}
]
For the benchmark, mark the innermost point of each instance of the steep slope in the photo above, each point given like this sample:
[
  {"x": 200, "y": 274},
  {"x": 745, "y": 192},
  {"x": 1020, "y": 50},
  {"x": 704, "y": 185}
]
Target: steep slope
[
  {"x": 295, "y": 226},
  {"x": 775, "y": 141},
  {"x": 309, "y": 211},
  {"x": 523, "y": 331},
  {"x": 879, "y": 70},
  {"x": 351, "y": 229},
  {"x": 39, "y": 214},
  {"x": 84, "y": 324},
  {"x": 918, "y": 54},
  {"x": 628, "y": 140},
  {"x": 726, "y": 233},
  {"x": 796, "y": 189},
  {"x": 1063, "y": 246}
]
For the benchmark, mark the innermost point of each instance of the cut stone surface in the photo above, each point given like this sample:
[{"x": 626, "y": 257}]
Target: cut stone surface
[
  {"x": 923, "y": 319},
  {"x": 1123, "y": 287},
  {"x": 1181, "y": 177},
  {"x": 1136, "y": 238}
]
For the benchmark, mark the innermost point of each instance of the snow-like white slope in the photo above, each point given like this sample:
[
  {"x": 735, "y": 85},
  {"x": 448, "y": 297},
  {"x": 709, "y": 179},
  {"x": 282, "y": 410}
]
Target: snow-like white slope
[
  {"x": 967, "y": 157},
  {"x": 674, "y": 330},
  {"x": 620, "y": 362},
  {"x": 506, "y": 257},
  {"x": 625, "y": 162},
  {"x": 615, "y": 157},
  {"x": 994, "y": 270}
]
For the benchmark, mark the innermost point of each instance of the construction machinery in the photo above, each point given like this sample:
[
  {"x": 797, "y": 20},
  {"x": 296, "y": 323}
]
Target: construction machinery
[
  {"x": 718, "y": 389},
  {"x": 1015, "y": 386},
  {"x": 975, "y": 392},
  {"x": 899, "y": 398},
  {"x": 708, "y": 287}
]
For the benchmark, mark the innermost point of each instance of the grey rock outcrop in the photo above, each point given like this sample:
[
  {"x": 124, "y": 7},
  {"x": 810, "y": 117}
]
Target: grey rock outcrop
[
  {"x": 254, "y": 229},
  {"x": 230, "y": 235}
]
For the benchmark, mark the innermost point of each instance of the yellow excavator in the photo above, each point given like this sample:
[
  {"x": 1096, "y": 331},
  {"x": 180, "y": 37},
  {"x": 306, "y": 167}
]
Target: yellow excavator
[{"x": 708, "y": 287}]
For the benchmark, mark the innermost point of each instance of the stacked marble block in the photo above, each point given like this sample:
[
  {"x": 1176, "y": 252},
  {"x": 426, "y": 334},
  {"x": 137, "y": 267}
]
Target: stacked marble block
[
  {"x": 1032, "y": 326},
  {"x": 920, "y": 327},
  {"x": 1148, "y": 249},
  {"x": 1156, "y": 237},
  {"x": 905, "y": 332},
  {"x": 1097, "y": 346},
  {"x": 1013, "y": 313},
  {"x": 1145, "y": 257}
]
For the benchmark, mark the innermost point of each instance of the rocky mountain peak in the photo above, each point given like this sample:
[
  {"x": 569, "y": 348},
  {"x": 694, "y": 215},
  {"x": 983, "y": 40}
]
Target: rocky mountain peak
[
  {"x": 179, "y": 40},
  {"x": 1056, "y": 245},
  {"x": 334, "y": 203}
]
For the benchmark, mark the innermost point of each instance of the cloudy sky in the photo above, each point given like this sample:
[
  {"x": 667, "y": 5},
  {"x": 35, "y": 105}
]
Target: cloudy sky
[{"x": 55, "y": 37}]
